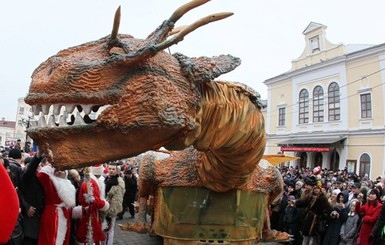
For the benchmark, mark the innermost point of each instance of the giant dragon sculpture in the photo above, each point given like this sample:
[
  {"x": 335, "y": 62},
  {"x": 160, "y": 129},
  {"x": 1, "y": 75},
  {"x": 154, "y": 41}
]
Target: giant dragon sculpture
[{"x": 211, "y": 186}]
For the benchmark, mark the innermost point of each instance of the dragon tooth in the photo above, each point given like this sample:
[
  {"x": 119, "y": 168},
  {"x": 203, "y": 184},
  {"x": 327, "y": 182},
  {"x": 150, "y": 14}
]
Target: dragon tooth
[
  {"x": 70, "y": 108},
  {"x": 42, "y": 122},
  {"x": 45, "y": 109},
  {"x": 79, "y": 120},
  {"x": 93, "y": 115},
  {"x": 63, "y": 120},
  {"x": 36, "y": 109},
  {"x": 56, "y": 109},
  {"x": 87, "y": 109},
  {"x": 51, "y": 121}
]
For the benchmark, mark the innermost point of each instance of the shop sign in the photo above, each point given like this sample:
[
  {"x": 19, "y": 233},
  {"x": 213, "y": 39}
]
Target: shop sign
[{"x": 311, "y": 149}]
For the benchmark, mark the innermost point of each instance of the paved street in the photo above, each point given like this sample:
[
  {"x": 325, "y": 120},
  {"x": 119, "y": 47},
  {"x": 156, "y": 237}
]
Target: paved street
[{"x": 128, "y": 237}]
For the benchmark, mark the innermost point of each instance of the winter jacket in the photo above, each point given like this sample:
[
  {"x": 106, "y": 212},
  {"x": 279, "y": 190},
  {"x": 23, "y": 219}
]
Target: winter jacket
[
  {"x": 114, "y": 195},
  {"x": 370, "y": 213},
  {"x": 317, "y": 207}
]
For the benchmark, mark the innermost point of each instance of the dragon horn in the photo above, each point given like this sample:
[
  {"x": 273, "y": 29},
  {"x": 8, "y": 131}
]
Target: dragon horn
[{"x": 115, "y": 27}]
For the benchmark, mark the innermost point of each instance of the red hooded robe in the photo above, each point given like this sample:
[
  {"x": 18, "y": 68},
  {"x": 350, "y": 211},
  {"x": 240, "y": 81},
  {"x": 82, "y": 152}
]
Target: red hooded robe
[
  {"x": 59, "y": 199},
  {"x": 98, "y": 204}
]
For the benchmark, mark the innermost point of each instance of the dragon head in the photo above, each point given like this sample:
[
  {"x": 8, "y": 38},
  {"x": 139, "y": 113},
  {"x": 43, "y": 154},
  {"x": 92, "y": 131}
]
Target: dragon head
[{"x": 120, "y": 96}]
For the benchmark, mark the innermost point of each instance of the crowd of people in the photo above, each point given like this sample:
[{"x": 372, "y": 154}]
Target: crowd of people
[
  {"x": 81, "y": 206},
  {"x": 322, "y": 207},
  {"x": 77, "y": 206}
]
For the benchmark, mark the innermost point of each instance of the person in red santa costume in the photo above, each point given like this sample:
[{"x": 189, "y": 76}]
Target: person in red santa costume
[
  {"x": 9, "y": 206},
  {"x": 59, "y": 201},
  {"x": 92, "y": 201}
]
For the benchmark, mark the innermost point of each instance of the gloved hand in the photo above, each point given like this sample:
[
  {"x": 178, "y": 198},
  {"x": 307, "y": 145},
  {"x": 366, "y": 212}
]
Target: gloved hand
[
  {"x": 343, "y": 238},
  {"x": 371, "y": 238}
]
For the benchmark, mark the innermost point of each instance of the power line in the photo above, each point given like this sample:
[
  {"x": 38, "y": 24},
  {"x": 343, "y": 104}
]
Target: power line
[{"x": 273, "y": 112}]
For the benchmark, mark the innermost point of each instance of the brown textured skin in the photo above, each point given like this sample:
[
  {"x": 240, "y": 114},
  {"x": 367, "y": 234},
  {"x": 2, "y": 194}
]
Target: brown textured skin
[{"x": 156, "y": 99}]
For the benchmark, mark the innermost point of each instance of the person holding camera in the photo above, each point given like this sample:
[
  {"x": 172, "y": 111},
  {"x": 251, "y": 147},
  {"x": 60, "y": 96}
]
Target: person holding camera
[
  {"x": 317, "y": 208},
  {"x": 337, "y": 218},
  {"x": 370, "y": 212}
]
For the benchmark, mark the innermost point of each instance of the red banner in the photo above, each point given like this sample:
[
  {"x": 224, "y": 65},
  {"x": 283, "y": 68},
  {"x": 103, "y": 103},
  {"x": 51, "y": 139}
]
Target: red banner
[{"x": 312, "y": 149}]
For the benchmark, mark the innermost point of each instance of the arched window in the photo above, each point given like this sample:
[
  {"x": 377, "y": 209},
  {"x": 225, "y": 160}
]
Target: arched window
[
  {"x": 334, "y": 102},
  {"x": 318, "y": 104},
  {"x": 334, "y": 160},
  {"x": 318, "y": 158},
  {"x": 303, "y": 107},
  {"x": 365, "y": 165}
]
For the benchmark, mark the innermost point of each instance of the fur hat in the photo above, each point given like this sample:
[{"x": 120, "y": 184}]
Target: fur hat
[
  {"x": 14, "y": 153},
  {"x": 97, "y": 169},
  {"x": 310, "y": 182},
  {"x": 291, "y": 184},
  {"x": 299, "y": 183}
]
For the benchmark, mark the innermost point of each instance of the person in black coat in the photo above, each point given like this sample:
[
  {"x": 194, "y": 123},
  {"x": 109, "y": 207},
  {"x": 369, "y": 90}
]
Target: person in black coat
[
  {"x": 32, "y": 203},
  {"x": 129, "y": 197},
  {"x": 317, "y": 208},
  {"x": 290, "y": 219},
  {"x": 337, "y": 217}
]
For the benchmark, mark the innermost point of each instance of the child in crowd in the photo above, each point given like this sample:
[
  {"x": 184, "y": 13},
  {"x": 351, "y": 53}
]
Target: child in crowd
[
  {"x": 350, "y": 227},
  {"x": 290, "y": 218}
]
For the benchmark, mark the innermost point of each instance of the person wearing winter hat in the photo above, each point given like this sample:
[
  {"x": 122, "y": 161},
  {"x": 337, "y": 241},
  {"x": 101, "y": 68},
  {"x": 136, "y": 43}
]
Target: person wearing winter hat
[
  {"x": 97, "y": 170},
  {"x": 95, "y": 203},
  {"x": 298, "y": 188},
  {"x": 315, "y": 202},
  {"x": 370, "y": 212},
  {"x": 310, "y": 182},
  {"x": 60, "y": 198}
]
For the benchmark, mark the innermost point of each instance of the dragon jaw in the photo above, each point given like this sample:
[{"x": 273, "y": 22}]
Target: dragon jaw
[{"x": 84, "y": 139}]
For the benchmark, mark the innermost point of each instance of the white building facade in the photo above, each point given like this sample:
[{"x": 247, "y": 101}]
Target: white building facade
[{"x": 329, "y": 108}]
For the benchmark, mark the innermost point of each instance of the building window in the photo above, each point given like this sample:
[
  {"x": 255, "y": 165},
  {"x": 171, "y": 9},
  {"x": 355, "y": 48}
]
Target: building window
[
  {"x": 314, "y": 42},
  {"x": 281, "y": 116},
  {"x": 366, "y": 106},
  {"x": 21, "y": 111},
  {"x": 318, "y": 104},
  {"x": 303, "y": 106},
  {"x": 364, "y": 165},
  {"x": 334, "y": 102},
  {"x": 318, "y": 159}
]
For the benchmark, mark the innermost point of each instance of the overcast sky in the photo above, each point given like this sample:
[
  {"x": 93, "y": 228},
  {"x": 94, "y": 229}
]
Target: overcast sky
[{"x": 266, "y": 35}]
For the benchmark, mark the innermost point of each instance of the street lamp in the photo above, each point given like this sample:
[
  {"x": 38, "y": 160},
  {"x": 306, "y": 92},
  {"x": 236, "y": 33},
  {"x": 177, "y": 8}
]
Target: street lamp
[{"x": 26, "y": 122}]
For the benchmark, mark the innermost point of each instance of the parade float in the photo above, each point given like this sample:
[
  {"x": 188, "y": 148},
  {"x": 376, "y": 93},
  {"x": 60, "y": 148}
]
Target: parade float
[{"x": 211, "y": 187}]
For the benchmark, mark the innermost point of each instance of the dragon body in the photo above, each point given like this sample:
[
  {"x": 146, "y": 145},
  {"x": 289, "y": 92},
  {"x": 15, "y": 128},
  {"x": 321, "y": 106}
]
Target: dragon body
[{"x": 120, "y": 96}]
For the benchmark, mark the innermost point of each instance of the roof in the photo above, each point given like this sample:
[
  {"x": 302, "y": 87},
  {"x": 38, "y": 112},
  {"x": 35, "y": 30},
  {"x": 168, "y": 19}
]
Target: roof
[{"x": 311, "y": 141}]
